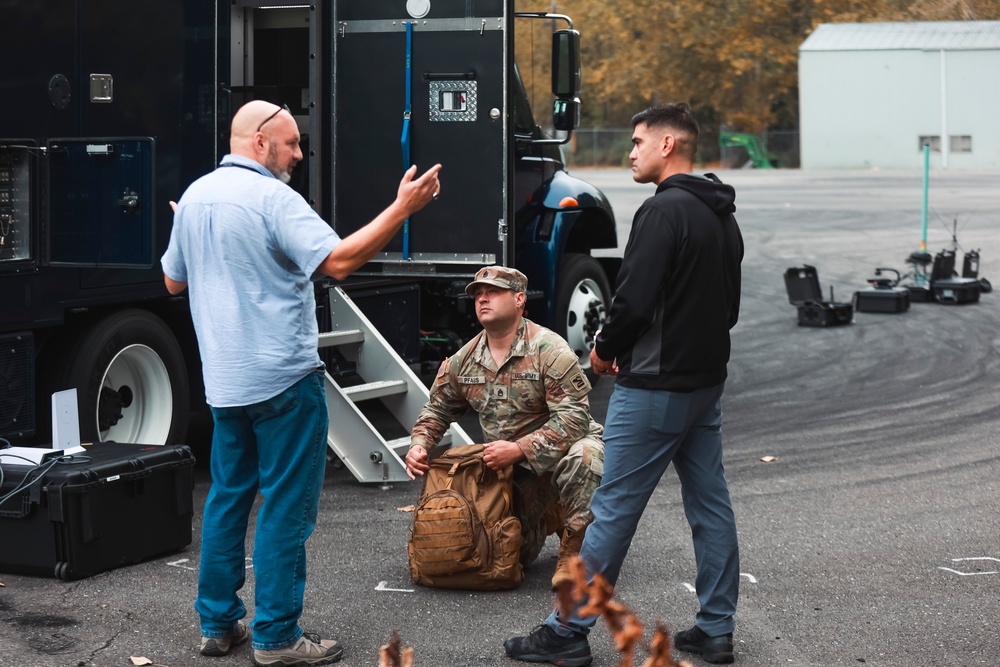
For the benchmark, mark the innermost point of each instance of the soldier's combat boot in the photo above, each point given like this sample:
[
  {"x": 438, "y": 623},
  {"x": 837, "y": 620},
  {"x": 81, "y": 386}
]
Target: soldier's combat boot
[{"x": 569, "y": 546}]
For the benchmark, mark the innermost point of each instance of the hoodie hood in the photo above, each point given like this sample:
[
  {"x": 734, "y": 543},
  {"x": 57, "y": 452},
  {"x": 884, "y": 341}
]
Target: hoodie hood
[{"x": 718, "y": 196}]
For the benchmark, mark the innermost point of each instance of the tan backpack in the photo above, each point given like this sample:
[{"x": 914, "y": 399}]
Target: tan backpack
[{"x": 465, "y": 534}]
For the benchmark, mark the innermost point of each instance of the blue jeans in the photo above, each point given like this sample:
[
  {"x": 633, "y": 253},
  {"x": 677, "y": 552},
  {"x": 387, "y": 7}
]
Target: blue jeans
[
  {"x": 278, "y": 447},
  {"x": 645, "y": 431}
]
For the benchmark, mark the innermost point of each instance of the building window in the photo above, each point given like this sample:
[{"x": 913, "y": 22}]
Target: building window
[
  {"x": 934, "y": 141},
  {"x": 960, "y": 143}
]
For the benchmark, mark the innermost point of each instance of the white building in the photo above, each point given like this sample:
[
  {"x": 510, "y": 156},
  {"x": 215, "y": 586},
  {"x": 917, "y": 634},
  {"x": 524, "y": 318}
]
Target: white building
[{"x": 871, "y": 94}]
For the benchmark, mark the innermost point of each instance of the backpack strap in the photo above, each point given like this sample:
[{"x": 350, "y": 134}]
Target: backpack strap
[
  {"x": 502, "y": 476},
  {"x": 451, "y": 473}
]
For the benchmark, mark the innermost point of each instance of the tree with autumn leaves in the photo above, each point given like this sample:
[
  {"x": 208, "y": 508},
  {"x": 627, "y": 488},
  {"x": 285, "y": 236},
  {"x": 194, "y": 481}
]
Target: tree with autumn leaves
[{"x": 734, "y": 61}]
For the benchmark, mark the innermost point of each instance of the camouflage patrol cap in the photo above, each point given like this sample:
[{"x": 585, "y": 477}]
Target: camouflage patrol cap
[{"x": 498, "y": 276}]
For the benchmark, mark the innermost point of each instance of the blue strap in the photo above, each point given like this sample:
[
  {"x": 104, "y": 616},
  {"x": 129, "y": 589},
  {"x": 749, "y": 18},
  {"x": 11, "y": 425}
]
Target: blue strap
[{"x": 404, "y": 140}]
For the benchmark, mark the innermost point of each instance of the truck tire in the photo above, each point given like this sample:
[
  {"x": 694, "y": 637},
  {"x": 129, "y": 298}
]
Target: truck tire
[
  {"x": 131, "y": 380},
  {"x": 584, "y": 299}
]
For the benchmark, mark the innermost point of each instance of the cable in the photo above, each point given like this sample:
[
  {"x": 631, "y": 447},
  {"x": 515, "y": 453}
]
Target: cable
[{"x": 42, "y": 469}]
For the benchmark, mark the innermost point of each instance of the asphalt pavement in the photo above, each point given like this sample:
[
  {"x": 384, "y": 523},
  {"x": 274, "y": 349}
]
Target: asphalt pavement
[{"x": 869, "y": 535}]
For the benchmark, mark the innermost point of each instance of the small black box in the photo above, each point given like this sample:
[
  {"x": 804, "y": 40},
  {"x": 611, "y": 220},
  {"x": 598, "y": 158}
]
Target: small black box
[
  {"x": 882, "y": 300},
  {"x": 802, "y": 285},
  {"x": 113, "y": 504},
  {"x": 956, "y": 290}
]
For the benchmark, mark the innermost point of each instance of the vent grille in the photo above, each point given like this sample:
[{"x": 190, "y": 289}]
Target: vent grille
[{"x": 17, "y": 386}]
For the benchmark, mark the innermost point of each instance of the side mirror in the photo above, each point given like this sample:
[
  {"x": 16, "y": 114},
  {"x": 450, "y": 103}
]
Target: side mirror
[
  {"x": 566, "y": 114},
  {"x": 566, "y": 77}
]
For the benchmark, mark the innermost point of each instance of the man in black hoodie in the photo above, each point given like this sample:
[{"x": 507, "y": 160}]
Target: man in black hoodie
[{"x": 667, "y": 340}]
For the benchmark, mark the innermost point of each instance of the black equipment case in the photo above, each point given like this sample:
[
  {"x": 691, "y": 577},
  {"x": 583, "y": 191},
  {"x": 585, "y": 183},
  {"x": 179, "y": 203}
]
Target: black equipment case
[
  {"x": 802, "y": 285},
  {"x": 956, "y": 290},
  {"x": 947, "y": 287},
  {"x": 884, "y": 295},
  {"x": 113, "y": 504},
  {"x": 882, "y": 300}
]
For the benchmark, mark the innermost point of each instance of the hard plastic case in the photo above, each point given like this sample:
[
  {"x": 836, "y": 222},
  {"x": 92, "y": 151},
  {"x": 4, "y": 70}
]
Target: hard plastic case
[
  {"x": 113, "y": 504},
  {"x": 882, "y": 300},
  {"x": 802, "y": 285},
  {"x": 953, "y": 291}
]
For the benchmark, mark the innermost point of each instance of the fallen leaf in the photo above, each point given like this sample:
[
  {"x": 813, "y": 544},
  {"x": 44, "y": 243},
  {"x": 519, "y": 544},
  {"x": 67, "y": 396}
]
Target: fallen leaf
[
  {"x": 408, "y": 508},
  {"x": 140, "y": 661},
  {"x": 394, "y": 654},
  {"x": 768, "y": 459}
]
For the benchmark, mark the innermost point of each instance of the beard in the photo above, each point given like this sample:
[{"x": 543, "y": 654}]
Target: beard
[{"x": 283, "y": 175}]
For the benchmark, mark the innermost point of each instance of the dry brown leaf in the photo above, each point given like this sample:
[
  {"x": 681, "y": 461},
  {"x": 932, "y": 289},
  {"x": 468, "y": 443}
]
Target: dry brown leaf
[
  {"x": 625, "y": 627},
  {"x": 598, "y": 594},
  {"x": 140, "y": 661},
  {"x": 659, "y": 648},
  {"x": 407, "y": 508},
  {"x": 394, "y": 654}
]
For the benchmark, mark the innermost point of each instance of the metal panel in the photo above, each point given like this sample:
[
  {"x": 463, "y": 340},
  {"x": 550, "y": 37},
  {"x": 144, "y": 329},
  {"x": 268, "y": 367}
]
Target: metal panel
[
  {"x": 38, "y": 45},
  {"x": 370, "y": 84},
  {"x": 480, "y": 24},
  {"x": 101, "y": 201}
]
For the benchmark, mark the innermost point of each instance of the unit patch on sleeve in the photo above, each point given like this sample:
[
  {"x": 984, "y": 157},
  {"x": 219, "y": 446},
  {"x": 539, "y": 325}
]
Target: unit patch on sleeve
[{"x": 576, "y": 385}]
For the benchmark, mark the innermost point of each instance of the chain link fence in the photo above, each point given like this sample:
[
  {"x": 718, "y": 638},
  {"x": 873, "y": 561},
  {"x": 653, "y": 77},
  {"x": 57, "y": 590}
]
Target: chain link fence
[{"x": 609, "y": 147}]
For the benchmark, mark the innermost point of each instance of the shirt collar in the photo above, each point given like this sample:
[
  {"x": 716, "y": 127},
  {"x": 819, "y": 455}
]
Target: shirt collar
[
  {"x": 518, "y": 347},
  {"x": 246, "y": 162}
]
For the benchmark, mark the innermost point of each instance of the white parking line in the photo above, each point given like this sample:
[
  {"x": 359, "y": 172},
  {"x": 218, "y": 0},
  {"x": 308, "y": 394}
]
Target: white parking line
[
  {"x": 177, "y": 564},
  {"x": 964, "y": 574},
  {"x": 970, "y": 574},
  {"x": 752, "y": 579},
  {"x": 382, "y": 587}
]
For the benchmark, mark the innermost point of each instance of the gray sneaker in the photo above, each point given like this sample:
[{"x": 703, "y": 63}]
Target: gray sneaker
[
  {"x": 308, "y": 650},
  {"x": 221, "y": 645}
]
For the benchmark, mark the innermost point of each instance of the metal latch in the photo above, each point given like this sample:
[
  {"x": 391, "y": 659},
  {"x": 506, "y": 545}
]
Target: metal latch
[
  {"x": 129, "y": 201},
  {"x": 101, "y": 88}
]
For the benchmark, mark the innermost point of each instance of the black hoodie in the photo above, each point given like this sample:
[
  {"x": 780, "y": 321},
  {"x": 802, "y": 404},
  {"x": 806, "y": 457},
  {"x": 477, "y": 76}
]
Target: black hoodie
[{"x": 678, "y": 291}]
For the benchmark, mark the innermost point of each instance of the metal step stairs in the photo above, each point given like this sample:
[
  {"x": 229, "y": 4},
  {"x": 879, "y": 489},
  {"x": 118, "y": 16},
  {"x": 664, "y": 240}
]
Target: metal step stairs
[{"x": 352, "y": 437}]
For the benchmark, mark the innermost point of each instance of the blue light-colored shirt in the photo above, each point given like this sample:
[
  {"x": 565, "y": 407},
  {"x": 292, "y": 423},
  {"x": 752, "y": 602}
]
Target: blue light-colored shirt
[{"x": 248, "y": 246}]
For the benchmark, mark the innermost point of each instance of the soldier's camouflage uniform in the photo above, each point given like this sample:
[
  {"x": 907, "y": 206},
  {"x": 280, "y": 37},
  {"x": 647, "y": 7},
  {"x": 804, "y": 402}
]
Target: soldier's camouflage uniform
[{"x": 538, "y": 399}]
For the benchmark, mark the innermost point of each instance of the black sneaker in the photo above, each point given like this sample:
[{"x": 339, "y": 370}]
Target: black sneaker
[
  {"x": 544, "y": 645},
  {"x": 717, "y": 650}
]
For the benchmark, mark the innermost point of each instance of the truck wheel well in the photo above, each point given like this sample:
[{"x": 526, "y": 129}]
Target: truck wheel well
[{"x": 591, "y": 230}]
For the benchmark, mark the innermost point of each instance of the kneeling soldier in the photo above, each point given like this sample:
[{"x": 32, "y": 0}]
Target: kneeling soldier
[{"x": 531, "y": 395}]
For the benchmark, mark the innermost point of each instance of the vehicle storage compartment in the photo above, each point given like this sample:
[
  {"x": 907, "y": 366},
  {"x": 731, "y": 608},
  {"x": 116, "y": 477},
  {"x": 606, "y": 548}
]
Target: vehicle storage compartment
[
  {"x": 113, "y": 504},
  {"x": 802, "y": 285}
]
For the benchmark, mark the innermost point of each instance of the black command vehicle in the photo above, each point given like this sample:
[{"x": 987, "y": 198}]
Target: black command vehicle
[{"x": 112, "y": 107}]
